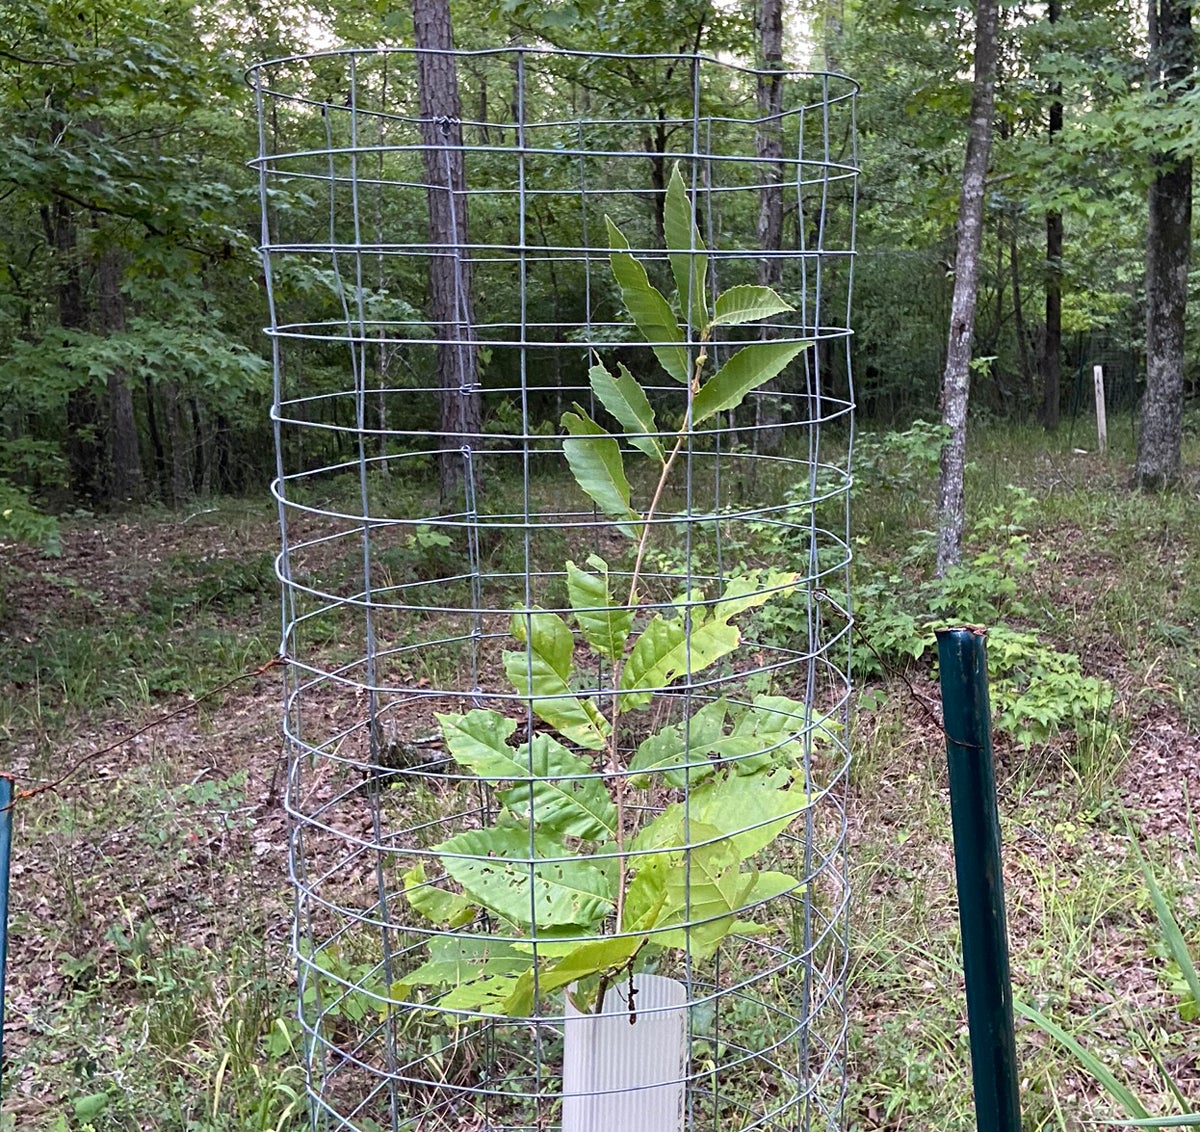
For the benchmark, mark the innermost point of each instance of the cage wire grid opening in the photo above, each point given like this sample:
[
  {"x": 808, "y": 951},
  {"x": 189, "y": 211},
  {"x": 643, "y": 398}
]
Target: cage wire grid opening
[{"x": 551, "y": 748}]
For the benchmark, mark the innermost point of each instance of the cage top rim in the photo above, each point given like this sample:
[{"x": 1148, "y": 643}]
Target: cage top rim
[{"x": 265, "y": 65}]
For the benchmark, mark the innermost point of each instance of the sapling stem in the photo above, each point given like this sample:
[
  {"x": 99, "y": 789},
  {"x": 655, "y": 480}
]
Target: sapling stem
[{"x": 614, "y": 764}]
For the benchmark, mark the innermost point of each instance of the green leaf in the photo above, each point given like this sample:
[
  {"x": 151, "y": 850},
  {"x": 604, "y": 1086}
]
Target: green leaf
[
  {"x": 703, "y": 898},
  {"x": 686, "y": 251},
  {"x": 647, "y": 892},
  {"x": 626, "y": 400},
  {"x": 1088, "y": 1060},
  {"x": 89, "y": 1107},
  {"x": 749, "y": 811},
  {"x": 770, "y": 885},
  {"x": 595, "y": 461},
  {"x": 644, "y": 669},
  {"x": 748, "y": 303},
  {"x": 604, "y": 626},
  {"x": 495, "y": 870},
  {"x": 566, "y": 795},
  {"x": 564, "y": 799},
  {"x": 666, "y": 650},
  {"x": 456, "y": 959},
  {"x": 750, "y": 368},
  {"x": 681, "y": 764},
  {"x": 649, "y": 310},
  {"x": 435, "y": 904},
  {"x": 1169, "y": 927},
  {"x": 549, "y": 658}
]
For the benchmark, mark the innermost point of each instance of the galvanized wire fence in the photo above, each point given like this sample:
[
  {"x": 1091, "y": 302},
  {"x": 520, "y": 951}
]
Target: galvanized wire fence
[{"x": 565, "y": 577}]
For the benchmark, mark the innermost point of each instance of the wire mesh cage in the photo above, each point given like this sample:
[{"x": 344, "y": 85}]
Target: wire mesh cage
[{"x": 563, "y": 411}]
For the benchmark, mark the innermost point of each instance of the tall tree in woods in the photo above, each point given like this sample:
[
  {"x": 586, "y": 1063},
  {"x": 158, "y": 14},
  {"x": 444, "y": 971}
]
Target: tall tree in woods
[
  {"x": 769, "y": 143},
  {"x": 451, "y": 306},
  {"x": 1051, "y": 358},
  {"x": 956, "y": 378},
  {"x": 1168, "y": 245}
]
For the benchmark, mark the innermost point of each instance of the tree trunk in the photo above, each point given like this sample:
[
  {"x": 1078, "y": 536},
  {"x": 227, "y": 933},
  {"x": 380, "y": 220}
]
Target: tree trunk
[
  {"x": 1052, "y": 343},
  {"x": 769, "y": 143},
  {"x": 1020, "y": 331},
  {"x": 957, "y": 376},
  {"x": 1168, "y": 245},
  {"x": 85, "y": 444},
  {"x": 181, "y": 456},
  {"x": 449, "y": 269},
  {"x": 126, "y": 483}
]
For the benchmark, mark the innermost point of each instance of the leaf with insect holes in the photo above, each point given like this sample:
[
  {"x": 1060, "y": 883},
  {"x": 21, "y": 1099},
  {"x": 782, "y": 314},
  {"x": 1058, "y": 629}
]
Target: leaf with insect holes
[
  {"x": 496, "y": 869},
  {"x": 626, "y": 400},
  {"x": 604, "y": 626},
  {"x": 750, "y": 368},
  {"x": 595, "y": 461},
  {"x": 686, "y": 251},
  {"x": 647, "y": 307},
  {"x": 566, "y": 796},
  {"x": 748, "y": 303},
  {"x": 705, "y": 896},
  {"x": 543, "y": 673},
  {"x": 680, "y": 762},
  {"x": 460, "y": 958}
]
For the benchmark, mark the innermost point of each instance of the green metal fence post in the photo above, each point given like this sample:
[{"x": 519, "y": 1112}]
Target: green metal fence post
[{"x": 962, "y": 656}]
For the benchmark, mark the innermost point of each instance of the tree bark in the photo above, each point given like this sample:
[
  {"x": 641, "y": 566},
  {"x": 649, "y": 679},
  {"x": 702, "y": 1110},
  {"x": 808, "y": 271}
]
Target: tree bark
[
  {"x": 126, "y": 483},
  {"x": 1020, "y": 331},
  {"x": 1052, "y": 343},
  {"x": 182, "y": 463},
  {"x": 769, "y": 144},
  {"x": 449, "y": 264},
  {"x": 957, "y": 376},
  {"x": 1168, "y": 247},
  {"x": 85, "y": 442}
]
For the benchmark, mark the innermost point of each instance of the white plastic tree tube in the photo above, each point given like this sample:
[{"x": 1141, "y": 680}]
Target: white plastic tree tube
[{"x": 623, "y": 1076}]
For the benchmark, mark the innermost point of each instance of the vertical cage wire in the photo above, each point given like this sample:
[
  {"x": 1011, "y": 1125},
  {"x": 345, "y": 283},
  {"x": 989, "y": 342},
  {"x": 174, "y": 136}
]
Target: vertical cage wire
[{"x": 440, "y": 285}]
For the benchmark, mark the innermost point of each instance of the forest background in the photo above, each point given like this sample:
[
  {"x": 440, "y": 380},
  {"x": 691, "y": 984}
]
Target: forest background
[
  {"x": 132, "y": 362},
  {"x": 152, "y": 982}
]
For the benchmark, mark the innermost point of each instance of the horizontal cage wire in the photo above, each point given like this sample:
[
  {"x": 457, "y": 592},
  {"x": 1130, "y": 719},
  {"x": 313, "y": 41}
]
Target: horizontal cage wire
[{"x": 563, "y": 425}]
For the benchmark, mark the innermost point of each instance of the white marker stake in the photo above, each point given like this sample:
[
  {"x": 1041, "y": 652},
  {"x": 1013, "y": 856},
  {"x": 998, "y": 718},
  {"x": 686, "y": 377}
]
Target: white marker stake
[{"x": 1101, "y": 417}]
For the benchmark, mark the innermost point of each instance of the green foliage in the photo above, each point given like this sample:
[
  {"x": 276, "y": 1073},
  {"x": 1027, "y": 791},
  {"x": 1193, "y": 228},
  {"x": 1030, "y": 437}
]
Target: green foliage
[
  {"x": 560, "y": 867},
  {"x": 1184, "y": 966}
]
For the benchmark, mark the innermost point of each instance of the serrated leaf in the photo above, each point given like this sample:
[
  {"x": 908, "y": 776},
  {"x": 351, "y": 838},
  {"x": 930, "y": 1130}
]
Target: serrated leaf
[
  {"x": 686, "y": 251},
  {"x": 435, "y": 904},
  {"x": 647, "y": 307},
  {"x": 555, "y": 888},
  {"x": 626, "y": 400},
  {"x": 704, "y": 897},
  {"x": 680, "y": 763},
  {"x": 595, "y": 461},
  {"x": 748, "y": 811},
  {"x": 456, "y": 959},
  {"x": 604, "y": 626},
  {"x": 750, "y": 368},
  {"x": 564, "y": 799},
  {"x": 747, "y": 302},
  {"x": 659, "y": 639},
  {"x": 566, "y": 796},
  {"x": 550, "y": 647}
]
